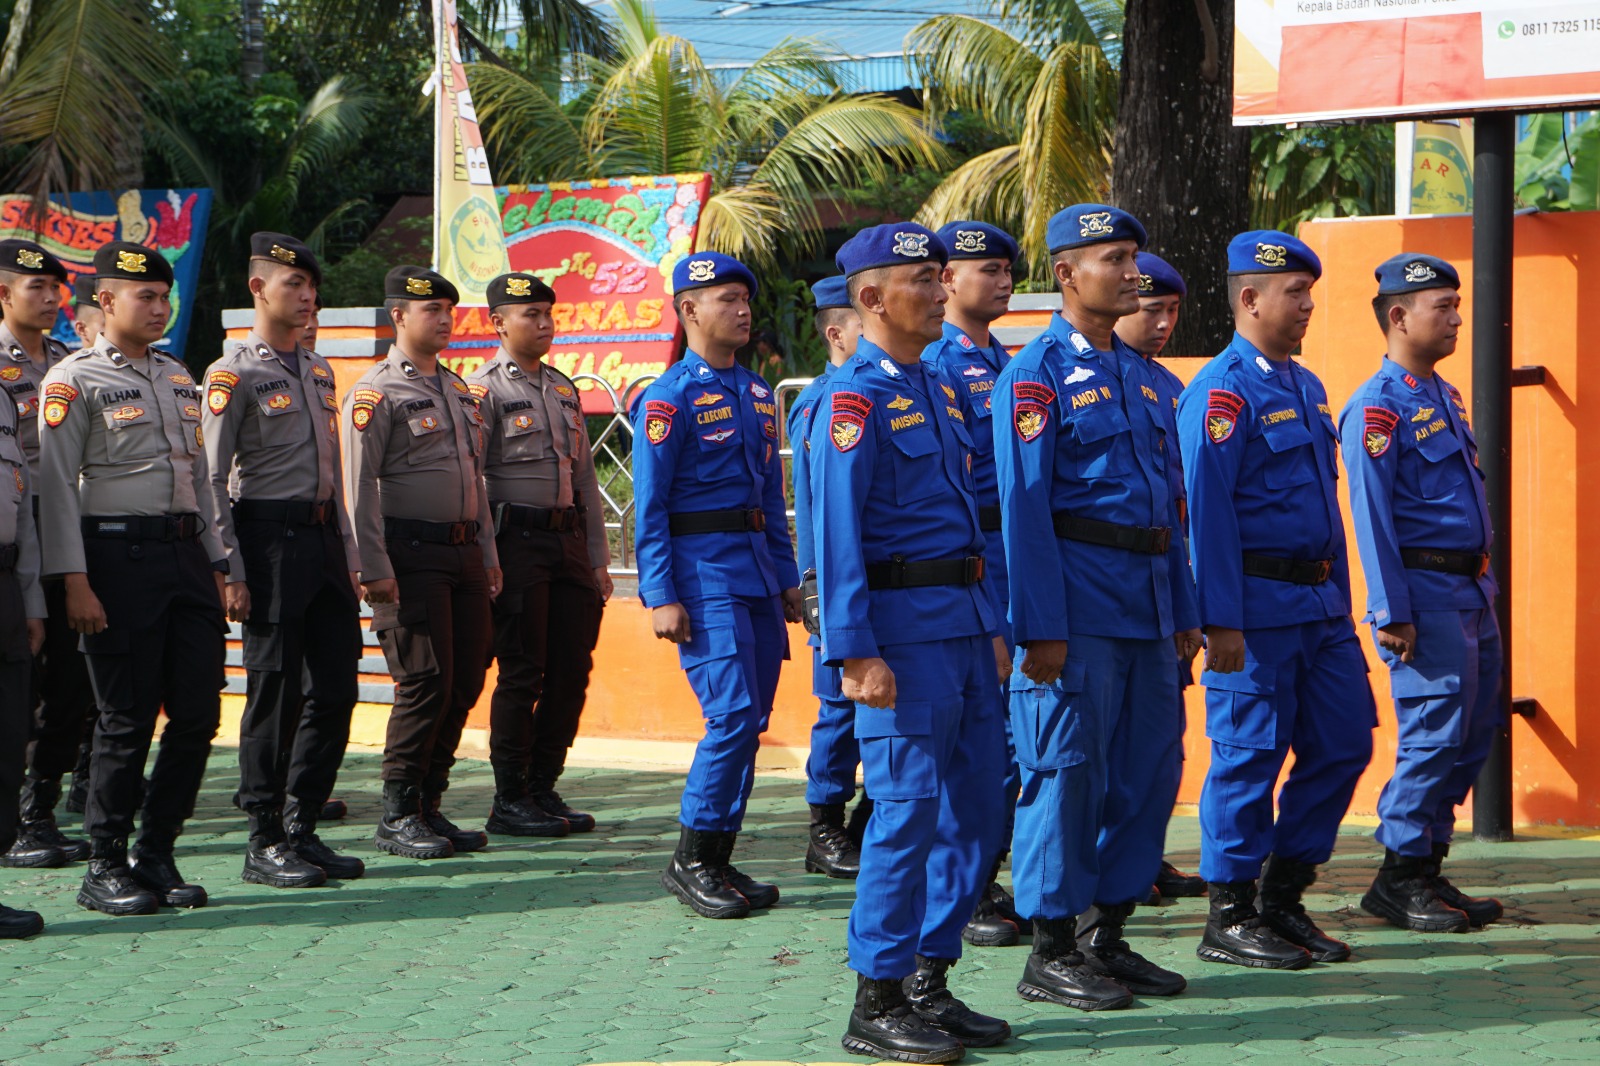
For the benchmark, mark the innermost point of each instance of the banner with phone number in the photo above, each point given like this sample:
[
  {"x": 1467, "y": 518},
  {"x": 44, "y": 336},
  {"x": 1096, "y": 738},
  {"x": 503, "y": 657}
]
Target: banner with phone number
[{"x": 607, "y": 248}]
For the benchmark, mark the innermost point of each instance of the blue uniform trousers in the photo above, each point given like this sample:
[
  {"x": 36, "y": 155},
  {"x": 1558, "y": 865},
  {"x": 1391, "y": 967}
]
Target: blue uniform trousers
[
  {"x": 1446, "y": 701},
  {"x": 933, "y": 765},
  {"x": 1303, "y": 689},
  {"x": 1096, "y": 752},
  {"x": 831, "y": 765},
  {"x": 736, "y": 646},
  {"x": 1167, "y": 787}
]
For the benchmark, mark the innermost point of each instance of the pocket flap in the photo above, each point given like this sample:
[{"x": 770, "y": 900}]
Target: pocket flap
[
  {"x": 423, "y": 425},
  {"x": 915, "y": 442},
  {"x": 1099, "y": 422},
  {"x": 1258, "y": 678},
  {"x": 907, "y": 718},
  {"x": 1071, "y": 679},
  {"x": 1286, "y": 436},
  {"x": 123, "y": 415},
  {"x": 707, "y": 643},
  {"x": 1407, "y": 679}
]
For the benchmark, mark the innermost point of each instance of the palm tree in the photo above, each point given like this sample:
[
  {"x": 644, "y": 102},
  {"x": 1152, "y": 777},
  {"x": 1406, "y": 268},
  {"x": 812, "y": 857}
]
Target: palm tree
[
  {"x": 547, "y": 28},
  {"x": 1056, "y": 103},
  {"x": 771, "y": 137}
]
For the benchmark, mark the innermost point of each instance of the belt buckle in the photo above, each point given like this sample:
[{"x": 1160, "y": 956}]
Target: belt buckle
[
  {"x": 755, "y": 520},
  {"x": 322, "y": 513},
  {"x": 1324, "y": 570},
  {"x": 1162, "y": 542},
  {"x": 975, "y": 568},
  {"x": 458, "y": 533}
]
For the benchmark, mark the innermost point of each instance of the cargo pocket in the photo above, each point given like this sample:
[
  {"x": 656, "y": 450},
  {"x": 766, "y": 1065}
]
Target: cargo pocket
[
  {"x": 406, "y": 640},
  {"x": 1427, "y": 701},
  {"x": 110, "y": 666},
  {"x": 1293, "y": 458},
  {"x": 917, "y": 475},
  {"x": 1049, "y": 728},
  {"x": 711, "y": 661},
  {"x": 263, "y": 646},
  {"x": 1242, "y": 707},
  {"x": 897, "y": 754}
]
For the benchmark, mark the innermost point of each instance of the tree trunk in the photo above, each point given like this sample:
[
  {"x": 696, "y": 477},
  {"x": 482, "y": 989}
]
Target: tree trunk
[
  {"x": 253, "y": 31},
  {"x": 1180, "y": 164}
]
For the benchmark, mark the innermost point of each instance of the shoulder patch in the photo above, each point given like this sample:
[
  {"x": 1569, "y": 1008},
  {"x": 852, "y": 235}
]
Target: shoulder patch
[
  {"x": 1378, "y": 429},
  {"x": 219, "y": 390},
  {"x": 1222, "y": 414},
  {"x": 1030, "y": 418},
  {"x": 850, "y": 410},
  {"x": 658, "y": 420},
  {"x": 1034, "y": 390},
  {"x": 362, "y": 403}
]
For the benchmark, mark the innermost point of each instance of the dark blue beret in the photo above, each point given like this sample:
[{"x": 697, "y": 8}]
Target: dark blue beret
[
  {"x": 1085, "y": 224},
  {"x": 1158, "y": 278},
  {"x": 1270, "y": 251},
  {"x": 704, "y": 269},
  {"x": 891, "y": 244},
  {"x": 978, "y": 240},
  {"x": 831, "y": 292},
  {"x": 1410, "y": 272}
]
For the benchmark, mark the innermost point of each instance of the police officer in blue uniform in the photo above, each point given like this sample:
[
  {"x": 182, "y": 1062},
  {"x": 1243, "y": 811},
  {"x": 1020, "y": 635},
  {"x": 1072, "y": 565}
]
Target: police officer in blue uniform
[
  {"x": 908, "y": 615},
  {"x": 1284, "y": 671},
  {"x": 835, "y": 847},
  {"x": 977, "y": 280},
  {"x": 1102, "y": 607},
  {"x": 1147, "y": 331},
  {"x": 1422, "y": 528},
  {"x": 717, "y": 573}
]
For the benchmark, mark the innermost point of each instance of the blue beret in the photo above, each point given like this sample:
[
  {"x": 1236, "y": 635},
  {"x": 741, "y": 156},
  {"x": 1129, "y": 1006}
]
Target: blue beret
[
  {"x": 1084, "y": 224},
  {"x": 891, "y": 244},
  {"x": 1410, "y": 272},
  {"x": 704, "y": 269},
  {"x": 1270, "y": 251},
  {"x": 1158, "y": 278},
  {"x": 978, "y": 240},
  {"x": 831, "y": 292}
]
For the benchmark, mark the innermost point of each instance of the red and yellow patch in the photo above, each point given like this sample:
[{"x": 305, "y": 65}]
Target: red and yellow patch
[
  {"x": 460, "y": 386},
  {"x": 1222, "y": 414},
  {"x": 180, "y": 379},
  {"x": 850, "y": 410},
  {"x": 191, "y": 410},
  {"x": 1378, "y": 429},
  {"x": 16, "y": 472},
  {"x": 10, "y": 373},
  {"x": 563, "y": 390},
  {"x": 480, "y": 391},
  {"x": 280, "y": 401},
  {"x": 1030, "y": 419},
  {"x": 361, "y": 405},
  {"x": 329, "y": 402},
  {"x": 318, "y": 371},
  {"x": 60, "y": 390},
  {"x": 55, "y": 412},
  {"x": 199, "y": 437},
  {"x": 219, "y": 390},
  {"x": 127, "y": 413},
  {"x": 658, "y": 420}
]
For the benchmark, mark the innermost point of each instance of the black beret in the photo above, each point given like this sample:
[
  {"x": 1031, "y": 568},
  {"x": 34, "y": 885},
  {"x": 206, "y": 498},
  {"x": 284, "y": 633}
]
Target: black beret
[
  {"x": 518, "y": 288},
  {"x": 83, "y": 290},
  {"x": 18, "y": 256},
  {"x": 282, "y": 248},
  {"x": 126, "y": 261},
  {"x": 418, "y": 283}
]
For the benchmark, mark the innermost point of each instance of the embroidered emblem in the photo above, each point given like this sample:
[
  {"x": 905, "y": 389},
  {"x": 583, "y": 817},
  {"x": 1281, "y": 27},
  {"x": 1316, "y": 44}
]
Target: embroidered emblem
[
  {"x": 1272, "y": 255},
  {"x": 60, "y": 390},
  {"x": 899, "y": 403},
  {"x": 318, "y": 371},
  {"x": 191, "y": 410},
  {"x": 563, "y": 390},
  {"x": 1095, "y": 224},
  {"x": 718, "y": 437},
  {"x": 1378, "y": 429},
  {"x": 329, "y": 402},
  {"x": 522, "y": 422},
  {"x": 850, "y": 410},
  {"x": 1030, "y": 418},
  {"x": 55, "y": 412},
  {"x": 702, "y": 270},
  {"x": 1033, "y": 390},
  {"x": 1419, "y": 272},
  {"x": 971, "y": 240},
  {"x": 127, "y": 413},
  {"x": 16, "y": 472},
  {"x": 429, "y": 423},
  {"x": 949, "y": 393},
  {"x": 180, "y": 379},
  {"x": 1147, "y": 283},
  {"x": 1263, "y": 364},
  {"x": 459, "y": 386},
  {"x": 361, "y": 406},
  {"x": 1423, "y": 414},
  {"x": 658, "y": 420},
  {"x": 965, "y": 342},
  {"x": 1222, "y": 414},
  {"x": 1082, "y": 373},
  {"x": 888, "y": 367},
  {"x": 974, "y": 372},
  {"x": 132, "y": 262},
  {"x": 280, "y": 402},
  {"x": 707, "y": 399},
  {"x": 1409, "y": 380},
  {"x": 759, "y": 391},
  {"x": 1080, "y": 342}
]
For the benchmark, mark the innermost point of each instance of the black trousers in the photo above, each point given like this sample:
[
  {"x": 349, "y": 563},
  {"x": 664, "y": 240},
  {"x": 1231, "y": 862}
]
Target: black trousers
[
  {"x": 436, "y": 641},
  {"x": 16, "y": 666},
  {"x": 302, "y": 644},
  {"x": 162, "y": 649},
  {"x": 546, "y": 624},
  {"x": 63, "y": 699}
]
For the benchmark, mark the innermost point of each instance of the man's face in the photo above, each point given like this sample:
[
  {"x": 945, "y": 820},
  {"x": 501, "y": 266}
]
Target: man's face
[
  {"x": 719, "y": 315},
  {"x": 1433, "y": 321},
  {"x": 1148, "y": 329},
  {"x": 30, "y": 300},
  {"x": 979, "y": 288},
  {"x": 309, "y": 337},
  {"x": 1106, "y": 279},
  {"x": 525, "y": 329},
  {"x": 289, "y": 294},
  {"x": 913, "y": 299},
  {"x": 423, "y": 327},
  {"x": 137, "y": 311},
  {"x": 1284, "y": 305}
]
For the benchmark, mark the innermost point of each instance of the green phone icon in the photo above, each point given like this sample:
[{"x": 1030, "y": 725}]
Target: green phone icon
[{"x": 1508, "y": 30}]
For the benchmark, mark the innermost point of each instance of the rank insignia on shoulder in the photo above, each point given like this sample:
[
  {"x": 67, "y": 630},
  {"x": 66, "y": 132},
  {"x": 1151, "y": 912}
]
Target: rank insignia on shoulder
[
  {"x": 1378, "y": 429},
  {"x": 1030, "y": 418},
  {"x": 1423, "y": 414},
  {"x": 965, "y": 342},
  {"x": 658, "y": 420},
  {"x": 707, "y": 399},
  {"x": 1080, "y": 342},
  {"x": 703, "y": 372},
  {"x": 1409, "y": 380},
  {"x": 888, "y": 367},
  {"x": 899, "y": 403},
  {"x": 1263, "y": 364},
  {"x": 1222, "y": 414}
]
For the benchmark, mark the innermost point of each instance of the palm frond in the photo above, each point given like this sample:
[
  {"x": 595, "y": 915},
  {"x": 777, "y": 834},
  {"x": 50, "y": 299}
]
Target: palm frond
[
  {"x": 533, "y": 137},
  {"x": 1066, "y": 142},
  {"x": 657, "y": 111},
  {"x": 1096, "y": 22},
  {"x": 987, "y": 187},
  {"x": 794, "y": 64},
  {"x": 744, "y": 222},
  {"x": 551, "y": 26},
  {"x": 971, "y": 66},
  {"x": 331, "y": 123}
]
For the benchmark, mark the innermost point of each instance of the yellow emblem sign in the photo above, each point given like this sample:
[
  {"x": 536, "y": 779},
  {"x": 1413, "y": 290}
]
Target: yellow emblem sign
[
  {"x": 708, "y": 399},
  {"x": 1095, "y": 224},
  {"x": 845, "y": 435},
  {"x": 30, "y": 259},
  {"x": 1423, "y": 414},
  {"x": 519, "y": 286},
  {"x": 656, "y": 429},
  {"x": 419, "y": 286},
  {"x": 281, "y": 254},
  {"x": 1272, "y": 255},
  {"x": 899, "y": 403},
  {"x": 132, "y": 262},
  {"x": 281, "y": 401}
]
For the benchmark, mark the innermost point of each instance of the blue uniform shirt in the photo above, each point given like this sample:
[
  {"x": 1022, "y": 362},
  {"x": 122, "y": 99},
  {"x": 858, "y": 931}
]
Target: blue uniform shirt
[
  {"x": 707, "y": 440},
  {"x": 1414, "y": 483},
  {"x": 1169, "y": 387},
  {"x": 1084, "y": 432},
  {"x": 1260, "y": 458},
  {"x": 800, "y": 418},
  {"x": 972, "y": 372},
  {"x": 891, "y": 474}
]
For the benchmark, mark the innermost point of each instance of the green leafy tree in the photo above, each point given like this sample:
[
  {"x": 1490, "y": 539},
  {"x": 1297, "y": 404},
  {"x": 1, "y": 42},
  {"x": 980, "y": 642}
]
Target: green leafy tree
[
  {"x": 1320, "y": 172},
  {"x": 1557, "y": 169}
]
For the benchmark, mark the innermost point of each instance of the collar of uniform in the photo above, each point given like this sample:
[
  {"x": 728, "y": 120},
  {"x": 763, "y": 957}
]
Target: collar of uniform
[
  {"x": 879, "y": 360},
  {"x": 700, "y": 371},
  {"x": 402, "y": 362},
  {"x": 1253, "y": 357},
  {"x": 260, "y": 349},
  {"x": 8, "y": 342},
  {"x": 1072, "y": 339},
  {"x": 511, "y": 368},
  {"x": 1392, "y": 369}
]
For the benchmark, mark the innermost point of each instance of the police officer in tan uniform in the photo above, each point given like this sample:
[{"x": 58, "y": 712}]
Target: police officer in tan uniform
[
  {"x": 21, "y": 635},
  {"x": 122, "y": 483},
  {"x": 63, "y": 703},
  {"x": 272, "y": 435},
  {"x": 551, "y": 536},
  {"x": 87, "y": 318},
  {"x": 413, "y": 469}
]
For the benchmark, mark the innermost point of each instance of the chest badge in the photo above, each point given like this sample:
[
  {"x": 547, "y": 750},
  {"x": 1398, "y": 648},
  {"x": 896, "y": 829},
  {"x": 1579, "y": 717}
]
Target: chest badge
[
  {"x": 707, "y": 399},
  {"x": 899, "y": 403},
  {"x": 280, "y": 402},
  {"x": 1423, "y": 414}
]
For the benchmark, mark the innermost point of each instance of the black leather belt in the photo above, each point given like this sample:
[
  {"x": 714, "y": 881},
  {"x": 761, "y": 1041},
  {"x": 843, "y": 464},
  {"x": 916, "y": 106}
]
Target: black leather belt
[
  {"x": 1294, "y": 571},
  {"x": 431, "y": 532},
  {"x": 989, "y": 519},
  {"x": 899, "y": 573},
  {"x": 289, "y": 512},
  {"x": 1146, "y": 540},
  {"x": 8, "y": 557},
  {"x": 522, "y": 516},
  {"x": 144, "y": 526},
  {"x": 752, "y": 520},
  {"x": 1469, "y": 564}
]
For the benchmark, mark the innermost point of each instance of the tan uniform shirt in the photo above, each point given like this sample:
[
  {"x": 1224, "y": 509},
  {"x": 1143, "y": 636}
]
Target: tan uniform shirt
[
  {"x": 271, "y": 434},
  {"x": 118, "y": 436},
  {"x": 538, "y": 445},
  {"x": 16, "y": 512},
  {"x": 22, "y": 378},
  {"x": 414, "y": 452}
]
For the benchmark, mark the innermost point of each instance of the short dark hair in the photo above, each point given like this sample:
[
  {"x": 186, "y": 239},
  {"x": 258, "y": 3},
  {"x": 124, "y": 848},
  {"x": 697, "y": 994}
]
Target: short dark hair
[
  {"x": 391, "y": 303},
  {"x": 830, "y": 316},
  {"x": 854, "y": 283},
  {"x": 1382, "y": 302}
]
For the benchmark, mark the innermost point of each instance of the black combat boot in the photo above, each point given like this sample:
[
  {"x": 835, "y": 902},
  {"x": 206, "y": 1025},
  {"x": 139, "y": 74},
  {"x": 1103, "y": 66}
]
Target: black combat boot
[
  {"x": 108, "y": 885},
  {"x": 994, "y": 922},
  {"x": 1173, "y": 883},
  {"x": 514, "y": 812},
  {"x": 695, "y": 875},
  {"x": 930, "y": 997},
  {"x": 154, "y": 868},
  {"x": 29, "y": 853},
  {"x": 860, "y": 815},
  {"x": 463, "y": 840},
  {"x": 300, "y": 827},
  {"x": 1106, "y": 952},
  {"x": 1282, "y": 883},
  {"x": 831, "y": 850},
  {"x": 402, "y": 830},
  {"x": 1005, "y": 905},
  {"x": 1236, "y": 934},
  {"x": 884, "y": 1026},
  {"x": 542, "y": 793},
  {"x": 760, "y": 894},
  {"x": 268, "y": 858},
  {"x": 1057, "y": 972},
  {"x": 1402, "y": 894},
  {"x": 38, "y": 818},
  {"x": 15, "y": 924},
  {"x": 333, "y": 810},
  {"x": 1480, "y": 910}
]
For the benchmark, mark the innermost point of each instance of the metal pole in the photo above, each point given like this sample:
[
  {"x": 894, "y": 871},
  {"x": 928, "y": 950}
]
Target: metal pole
[{"x": 1492, "y": 206}]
